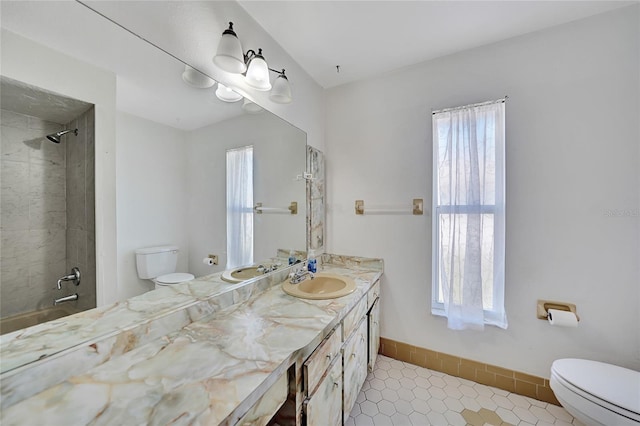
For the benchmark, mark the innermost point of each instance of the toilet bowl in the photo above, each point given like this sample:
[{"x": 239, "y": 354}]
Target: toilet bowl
[
  {"x": 597, "y": 393},
  {"x": 171, "y": 279}
]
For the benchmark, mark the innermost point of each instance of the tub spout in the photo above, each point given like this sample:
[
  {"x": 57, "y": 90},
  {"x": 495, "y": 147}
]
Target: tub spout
[{"x": 66, "y": 299}]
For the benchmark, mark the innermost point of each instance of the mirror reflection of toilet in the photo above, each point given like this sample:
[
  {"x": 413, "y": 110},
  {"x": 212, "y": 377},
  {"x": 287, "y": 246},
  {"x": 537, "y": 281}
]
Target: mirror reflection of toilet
[
  {"x": 158, "y": 264},
  {"x": 597, "y": 393}
]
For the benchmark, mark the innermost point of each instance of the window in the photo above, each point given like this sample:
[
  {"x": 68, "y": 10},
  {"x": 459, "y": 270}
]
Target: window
[
  {"x": 239, "y": 207},
  {"x": 469, "y": 215}
]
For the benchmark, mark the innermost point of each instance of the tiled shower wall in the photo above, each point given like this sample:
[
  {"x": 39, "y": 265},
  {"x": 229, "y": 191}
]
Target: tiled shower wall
[
  {"x": 35, "y": 238},
  {"x": 33, "y": 213},
  {"x": 80, "y": 192}
]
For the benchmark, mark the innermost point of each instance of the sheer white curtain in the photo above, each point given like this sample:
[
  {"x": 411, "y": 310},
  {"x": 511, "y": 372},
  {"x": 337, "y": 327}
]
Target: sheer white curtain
[
  {"x": 239, "y": 206},
  {"x": 469, "y": 219}
]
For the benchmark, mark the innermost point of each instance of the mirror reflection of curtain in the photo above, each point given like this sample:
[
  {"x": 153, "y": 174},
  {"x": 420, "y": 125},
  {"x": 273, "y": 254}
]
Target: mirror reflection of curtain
[{"x": 239, "y": 206}]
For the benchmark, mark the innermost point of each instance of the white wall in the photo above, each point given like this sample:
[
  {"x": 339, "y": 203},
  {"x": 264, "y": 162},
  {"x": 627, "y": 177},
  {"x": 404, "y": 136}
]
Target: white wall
[
  {"x": 152, "y": 196},
  {"x": 32, "y": 63},
  {"x": 572, "y": 155},
  {"x": 279, "y": 154}
]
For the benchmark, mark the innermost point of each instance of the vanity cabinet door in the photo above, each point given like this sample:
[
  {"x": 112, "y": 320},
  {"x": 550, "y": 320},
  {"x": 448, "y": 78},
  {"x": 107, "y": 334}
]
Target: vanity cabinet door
[
  {"x": 318, "y": 362},
  {"x": 355, "y": 366},
  {"x": 374, "y": 333},
  {"x": 324, "y": 406}
]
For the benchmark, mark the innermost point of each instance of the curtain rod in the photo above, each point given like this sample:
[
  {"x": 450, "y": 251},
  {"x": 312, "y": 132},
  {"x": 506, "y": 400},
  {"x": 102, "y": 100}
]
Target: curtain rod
[{"x": 470, "y": 105}]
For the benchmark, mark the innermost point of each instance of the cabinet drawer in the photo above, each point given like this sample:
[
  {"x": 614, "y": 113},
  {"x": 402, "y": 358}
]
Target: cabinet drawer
[
  {"x": 321, "y": 358},
  {"x": 353, "y": 318},
  {"x": 355, "y": 366},
  {"x": 324, "y": 406},
  {"x": 373, "y": 294},
  {"x": 356, "y": 341}
]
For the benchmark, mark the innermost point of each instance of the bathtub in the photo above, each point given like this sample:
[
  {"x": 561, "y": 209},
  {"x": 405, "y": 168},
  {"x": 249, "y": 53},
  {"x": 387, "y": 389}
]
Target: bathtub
[{"x": 18, "y": 322}]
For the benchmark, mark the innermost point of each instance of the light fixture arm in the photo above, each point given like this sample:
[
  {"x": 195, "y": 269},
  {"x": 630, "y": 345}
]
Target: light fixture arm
[
  {"x": 251, "y": 54},
  {"x": 280, "y": 73}
]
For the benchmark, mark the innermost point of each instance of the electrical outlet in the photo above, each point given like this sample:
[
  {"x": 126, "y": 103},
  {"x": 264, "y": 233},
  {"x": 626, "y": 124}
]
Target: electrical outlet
[{"x": 215, "y": 258}]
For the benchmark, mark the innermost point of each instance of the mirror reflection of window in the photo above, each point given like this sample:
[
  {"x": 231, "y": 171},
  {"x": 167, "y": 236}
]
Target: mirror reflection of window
[{"x": 239, "y": 206}]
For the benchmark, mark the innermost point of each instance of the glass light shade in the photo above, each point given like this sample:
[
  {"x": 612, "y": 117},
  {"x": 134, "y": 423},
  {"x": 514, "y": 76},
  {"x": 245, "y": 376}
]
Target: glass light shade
[
  {"x": 195, "y": 78},
  {"x": 226, "y": 94},
  {"x": 258, "y": 74},
  {"x": 251, "y": 107},
  {"x": 229, "y": 55},
  {"x": 281, "y": 92}
]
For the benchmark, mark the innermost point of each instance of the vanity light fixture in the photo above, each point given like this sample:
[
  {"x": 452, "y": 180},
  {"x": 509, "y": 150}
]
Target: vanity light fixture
[
  {"x": 281, "y": 91},
  {"x": 230, "y": 57},
  {"x": 225, "y": 94},
  {"x": 257, "y": 71},
  {"x": 251, "y": 107},
  {"x": 195, "y": 78}
]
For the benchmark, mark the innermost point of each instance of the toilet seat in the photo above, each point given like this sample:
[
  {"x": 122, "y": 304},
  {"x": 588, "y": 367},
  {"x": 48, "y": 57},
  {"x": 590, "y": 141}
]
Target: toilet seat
[
  {"x": 597, "y": 390},
  {"x": 174, "y": 278}
]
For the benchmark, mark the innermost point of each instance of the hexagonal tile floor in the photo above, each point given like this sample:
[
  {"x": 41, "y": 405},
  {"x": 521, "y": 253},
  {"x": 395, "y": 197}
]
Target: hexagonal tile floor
[{"x": 401, "y": 394}]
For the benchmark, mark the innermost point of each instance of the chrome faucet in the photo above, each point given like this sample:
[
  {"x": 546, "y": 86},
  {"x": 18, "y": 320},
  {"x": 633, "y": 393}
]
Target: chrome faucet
[
  {"x": 300, "y": 275},
  {"x": 66, "y": 299},
  {"x": 269, "y": 268},
  {"x": 73, "y": 276}
]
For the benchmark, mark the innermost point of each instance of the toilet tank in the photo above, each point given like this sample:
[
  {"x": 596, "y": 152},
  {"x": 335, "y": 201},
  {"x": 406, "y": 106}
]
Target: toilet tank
[{"x": 153, "y": 262}]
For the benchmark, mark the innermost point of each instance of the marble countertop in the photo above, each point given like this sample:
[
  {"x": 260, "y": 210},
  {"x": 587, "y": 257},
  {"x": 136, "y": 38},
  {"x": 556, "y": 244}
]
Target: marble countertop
[
  {"x": 209, "y": 371},
  {"x": 23, "y": 347}
]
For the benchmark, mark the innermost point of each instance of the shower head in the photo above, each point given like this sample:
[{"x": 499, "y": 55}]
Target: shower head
[{"x": 55, "y": 137}]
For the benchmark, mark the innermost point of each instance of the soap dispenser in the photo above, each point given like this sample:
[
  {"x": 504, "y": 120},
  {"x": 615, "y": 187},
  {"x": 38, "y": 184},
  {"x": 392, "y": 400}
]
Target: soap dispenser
[
  {"x": 292, "y": 257},
  {"x": 311, "y": 261}
]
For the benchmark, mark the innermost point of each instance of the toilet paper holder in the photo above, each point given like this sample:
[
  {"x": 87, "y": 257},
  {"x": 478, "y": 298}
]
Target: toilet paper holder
[{"x": 544, "y": 306}]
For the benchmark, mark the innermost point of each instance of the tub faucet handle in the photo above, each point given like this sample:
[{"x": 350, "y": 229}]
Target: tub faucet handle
[{"x": 73, "y": 276}]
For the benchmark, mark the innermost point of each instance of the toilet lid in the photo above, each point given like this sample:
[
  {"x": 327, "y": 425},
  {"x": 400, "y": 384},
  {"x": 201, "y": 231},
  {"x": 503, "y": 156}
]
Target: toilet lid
[
  {"x": 174, "y": 278},
  {"x": 616, "y": 385}
]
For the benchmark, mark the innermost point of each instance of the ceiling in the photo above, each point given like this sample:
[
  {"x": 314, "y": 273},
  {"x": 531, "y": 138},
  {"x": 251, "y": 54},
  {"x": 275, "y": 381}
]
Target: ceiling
[
  {"x": 368, "y": 38},
  {"x": 365, "y": 38}
]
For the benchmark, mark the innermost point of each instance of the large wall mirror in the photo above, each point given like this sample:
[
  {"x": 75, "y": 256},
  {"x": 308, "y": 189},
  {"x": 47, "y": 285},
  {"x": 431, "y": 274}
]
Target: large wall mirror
[{"x": 172, "y": 159}]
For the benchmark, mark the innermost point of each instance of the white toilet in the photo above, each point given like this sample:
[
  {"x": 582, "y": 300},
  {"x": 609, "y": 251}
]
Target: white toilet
[
  {"x": 159, "y": 265},
  {"x": 597, "y": 393}
]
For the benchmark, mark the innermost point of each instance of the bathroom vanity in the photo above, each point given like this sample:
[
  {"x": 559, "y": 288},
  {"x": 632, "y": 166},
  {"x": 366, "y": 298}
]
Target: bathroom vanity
[
  {"x": 335, "y": 372},
  {"x": 242, "y": 354}
]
